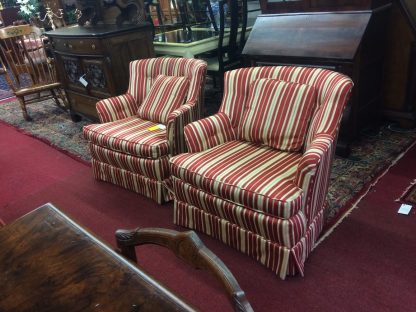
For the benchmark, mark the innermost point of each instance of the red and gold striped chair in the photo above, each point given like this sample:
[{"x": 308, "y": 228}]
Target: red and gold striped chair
[
  {"x": 137, "y": 135},
  {"x": 256, "y": 174}
]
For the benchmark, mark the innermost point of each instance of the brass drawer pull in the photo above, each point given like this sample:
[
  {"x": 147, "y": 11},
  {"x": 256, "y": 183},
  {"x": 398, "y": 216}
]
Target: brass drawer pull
[{"x": 93, "y": 46}]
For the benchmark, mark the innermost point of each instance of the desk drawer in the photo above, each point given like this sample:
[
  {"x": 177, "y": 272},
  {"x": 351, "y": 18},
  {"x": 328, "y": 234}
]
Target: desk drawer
[{"x": 78, "y": 46}]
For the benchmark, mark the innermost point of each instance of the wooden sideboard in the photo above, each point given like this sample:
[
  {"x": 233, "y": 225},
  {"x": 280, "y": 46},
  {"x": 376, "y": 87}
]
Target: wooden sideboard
[
  {"x": 101, "y": 55},
  {"x": 347, "y": 42}
]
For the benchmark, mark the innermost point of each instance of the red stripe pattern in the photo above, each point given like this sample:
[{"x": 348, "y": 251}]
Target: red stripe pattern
[
  {"x": 166, "y": 94},
  {"x": 157, "y": 169},
  {"x": 280, "y": 259},
  {"x": 130, "y": 151},
  {"x": 209, "y": 132},
  {"x": 286, "y": 232},
  {"x": 131, "y": 136},
  {"x": 277, "y": 113},
  {"x": 262, "y": 201},
  {"x": 177, "y": 121},
  {"x": 134, "y": 182},
  {"x": 248, "y": 174},
  {"x": 117, "y": 107}
]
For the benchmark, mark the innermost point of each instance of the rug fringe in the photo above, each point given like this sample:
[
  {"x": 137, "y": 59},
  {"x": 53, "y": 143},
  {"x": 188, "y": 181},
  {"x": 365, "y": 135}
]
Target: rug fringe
[
  {"x": 365, "y": 191},
  {"x": 8, "y": 99},
  {"x": 405, "y": 191}
]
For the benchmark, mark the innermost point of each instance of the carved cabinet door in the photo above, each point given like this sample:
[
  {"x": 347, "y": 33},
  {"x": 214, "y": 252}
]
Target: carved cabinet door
[
  {"x": 98, "y": 76},
  {"x": 71, "y": 68}
]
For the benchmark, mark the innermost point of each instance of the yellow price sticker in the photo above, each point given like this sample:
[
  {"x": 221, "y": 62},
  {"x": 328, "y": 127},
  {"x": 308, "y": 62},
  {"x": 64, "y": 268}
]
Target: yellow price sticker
[{"x": 157, "y": 127}]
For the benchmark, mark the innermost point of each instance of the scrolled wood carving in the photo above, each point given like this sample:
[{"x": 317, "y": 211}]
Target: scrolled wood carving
[{"x": 188, "y": 247}]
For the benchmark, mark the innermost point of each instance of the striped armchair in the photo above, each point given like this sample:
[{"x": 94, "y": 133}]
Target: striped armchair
[
  {"x": 132, "y": 151},
  {"x": 254, "y": 177}
]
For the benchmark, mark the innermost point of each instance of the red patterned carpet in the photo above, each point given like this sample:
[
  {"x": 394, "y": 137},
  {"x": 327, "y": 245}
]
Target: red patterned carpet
[{"x": 367, "y": 264}]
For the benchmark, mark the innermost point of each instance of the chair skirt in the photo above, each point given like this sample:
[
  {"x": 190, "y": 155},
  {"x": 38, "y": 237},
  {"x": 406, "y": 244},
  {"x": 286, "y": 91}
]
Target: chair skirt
[
  {"x": 282, "y": 245},
  {"x": 132, "y": 181}
]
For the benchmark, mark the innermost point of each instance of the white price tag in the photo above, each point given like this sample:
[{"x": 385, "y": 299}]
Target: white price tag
[
  {"x": 83, "y": 81},
  {"x": 404, "y": 209}
]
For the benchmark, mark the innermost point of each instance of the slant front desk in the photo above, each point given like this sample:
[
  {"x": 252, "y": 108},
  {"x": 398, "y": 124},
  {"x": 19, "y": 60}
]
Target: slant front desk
[{"x": 347, "y": 42}]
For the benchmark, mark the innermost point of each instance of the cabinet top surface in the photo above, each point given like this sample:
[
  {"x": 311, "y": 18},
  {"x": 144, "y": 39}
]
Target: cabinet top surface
[
  {"x": 310, "y": 35},
  {"x": 94, "y": 31}
]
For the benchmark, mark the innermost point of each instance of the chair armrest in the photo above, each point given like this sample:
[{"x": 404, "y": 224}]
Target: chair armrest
[
  {"x": 177, "y": 120},
  {"x": 313, "y": 173},
  {"x": 209, "y": 132},
  {"x": 117, "y": 107},
  {"x": 188, "y": 247}
]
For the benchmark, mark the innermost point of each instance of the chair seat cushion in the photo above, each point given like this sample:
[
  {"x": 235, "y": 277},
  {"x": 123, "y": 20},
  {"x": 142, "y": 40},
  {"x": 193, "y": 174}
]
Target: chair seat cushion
[
  {"x": 277, "y": 113},
  {"x": 131, "y": 135},
  {"x": 249, "y": 174}
]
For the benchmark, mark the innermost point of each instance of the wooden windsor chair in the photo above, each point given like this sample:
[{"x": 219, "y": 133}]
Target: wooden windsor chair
[{"x": 29, "y": 71}]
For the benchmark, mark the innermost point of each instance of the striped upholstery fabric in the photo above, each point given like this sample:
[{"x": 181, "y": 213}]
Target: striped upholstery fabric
[
  {"x": 245, "y": 173},
  {"x": 166, "y": 94},
  {"x": 131, "y": 136},
  {"x": 117, "y": 107},
  {"x": 277, "y": 113},
  {"x": 280, "y": 259},
  {"x": 143, "y": 72},
  {"x": 209, "y": 132},
  {"x": 262, "y": 201},
  {"x": 131, "y": 181},
  {"x": 142, "y": 75},
  {"x": 286, "y": 232},
  {"x": 157, "y": 169},
  {"x": 177, "y": 121},
  {"x": 125, "y": 151}
]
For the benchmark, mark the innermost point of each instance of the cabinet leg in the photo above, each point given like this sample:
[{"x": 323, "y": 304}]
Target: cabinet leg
[{"x": 75, "y": 117}]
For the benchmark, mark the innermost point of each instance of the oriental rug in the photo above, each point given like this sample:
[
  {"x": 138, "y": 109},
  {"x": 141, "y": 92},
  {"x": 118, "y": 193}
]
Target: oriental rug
[
  {"x": 5, "y": 91},
  {"x": 50, "y": 124},
  {"x": 409, "y": 195},
  {"x": 351, "y": 177}
]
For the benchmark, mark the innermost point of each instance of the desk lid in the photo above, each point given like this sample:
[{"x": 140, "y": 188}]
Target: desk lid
[
  {"x": 409, "y": 7},
  {"x": 103, "y": 30},
  {"x": 334, "y": 35}
]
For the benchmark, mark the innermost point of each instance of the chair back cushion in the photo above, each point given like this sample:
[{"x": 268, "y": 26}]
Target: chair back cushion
[
  {"x": 143, "y": 73},
  {"x": 330, "y": 87},
  {"x": 277, "y": 113},
  {"x": 166, "y": 94}
]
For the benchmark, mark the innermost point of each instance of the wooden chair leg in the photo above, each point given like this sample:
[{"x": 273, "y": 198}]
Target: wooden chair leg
[
  {"x": 57, "y": 94},
  {"x": 24, "y": 110}
]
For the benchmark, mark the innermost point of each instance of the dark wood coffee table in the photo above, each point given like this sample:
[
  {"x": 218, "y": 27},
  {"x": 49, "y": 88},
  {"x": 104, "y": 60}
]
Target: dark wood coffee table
[{"x": 49, "y": 263}]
